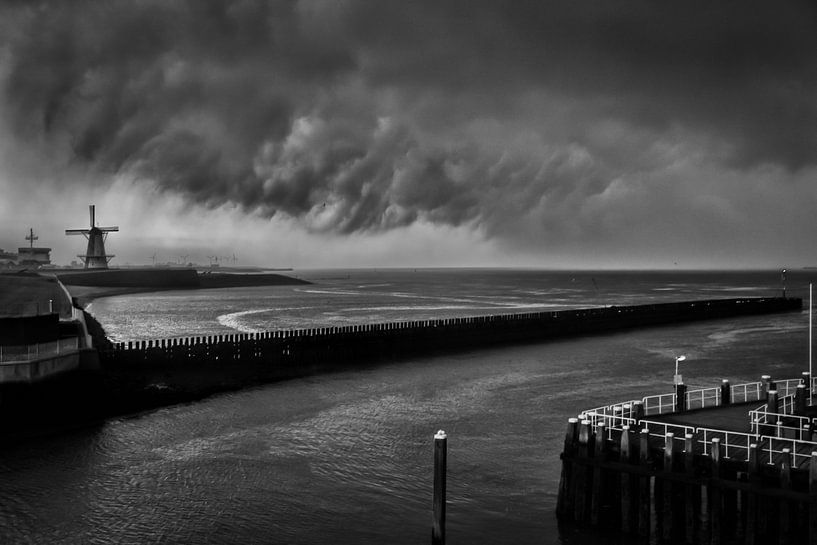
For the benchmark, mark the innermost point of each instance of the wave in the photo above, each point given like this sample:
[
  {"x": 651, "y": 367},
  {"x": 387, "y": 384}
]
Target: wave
[{"x": 233, "y": 319}]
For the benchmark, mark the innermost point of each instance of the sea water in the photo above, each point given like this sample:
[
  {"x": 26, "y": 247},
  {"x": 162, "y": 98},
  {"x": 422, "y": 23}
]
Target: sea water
[{"x": 347, "y": 457}]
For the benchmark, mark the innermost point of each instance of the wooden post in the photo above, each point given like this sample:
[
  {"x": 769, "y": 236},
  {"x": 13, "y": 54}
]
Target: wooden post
[
  {"x": 680, "y": 398},
  {"x": 784, "y": 515},
  {"x": 771, "y": 401},
  {"x": 598, "y": 491},
  {"x": 764, "y": 388},
  {"x": 800, "y": 400},
  {"x": 644, "y": 499},
  {"x": 726, "y": 392},
  {"x": 564, "y": 504},
  {"x": 751, "y": 536},
  {"x": 580, "y": 502},
  {"x": 625, "y": 457},
  {"x": 692, "y": 494},
  {"x": 713, "y": 495},
  {"x": 440, "y": 462},
  {"x": 812, "y": 504},
  {"x": 638, "y": 411},
  {"x": 666, "y": 489}
]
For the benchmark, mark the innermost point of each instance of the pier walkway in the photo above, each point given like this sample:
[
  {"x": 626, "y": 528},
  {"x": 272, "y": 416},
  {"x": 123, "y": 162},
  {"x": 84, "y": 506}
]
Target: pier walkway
[{"x": 729, "y": 464}]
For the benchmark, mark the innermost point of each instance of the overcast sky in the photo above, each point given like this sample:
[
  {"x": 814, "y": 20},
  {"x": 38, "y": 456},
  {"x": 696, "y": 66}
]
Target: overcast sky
[{"x": 325, "y": 133}]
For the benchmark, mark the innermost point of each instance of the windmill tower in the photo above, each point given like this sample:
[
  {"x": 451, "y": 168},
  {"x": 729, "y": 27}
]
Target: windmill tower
[{"x": 95, "y": 256}]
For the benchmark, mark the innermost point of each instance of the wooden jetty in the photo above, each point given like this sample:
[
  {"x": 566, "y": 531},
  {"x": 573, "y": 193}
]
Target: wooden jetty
[{"x": 728, "y": 464}]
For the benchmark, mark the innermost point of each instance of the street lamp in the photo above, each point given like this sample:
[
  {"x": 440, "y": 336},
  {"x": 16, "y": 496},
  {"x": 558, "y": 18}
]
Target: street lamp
[{"x": 677, "y": 379}]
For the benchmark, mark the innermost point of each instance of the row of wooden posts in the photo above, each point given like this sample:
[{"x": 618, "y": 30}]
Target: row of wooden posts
[
  {"x": 366, "y": 341},
  {"x": 683, "y": 495}
]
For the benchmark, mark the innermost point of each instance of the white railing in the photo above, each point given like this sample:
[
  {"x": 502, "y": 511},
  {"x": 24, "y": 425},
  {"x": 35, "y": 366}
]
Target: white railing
[
  {"x": 787, "y": 387},
  {"x": 743, "y": 393},
  {"x": 659, "y": 404},
  {"x": 31, "y": 352},
  {"x": 763, "y": 416},
  {"x": 700, "y": 399},
  {"x": 660, "y": 429},
  {"x": 786, "y": 405},
  {"x": 800, "y": 450},
  {"x": 733, "y": 442},
  {"x": 611, "y": 422}
]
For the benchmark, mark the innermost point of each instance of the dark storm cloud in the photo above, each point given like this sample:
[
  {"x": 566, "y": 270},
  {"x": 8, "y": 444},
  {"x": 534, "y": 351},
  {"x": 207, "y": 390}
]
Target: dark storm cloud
[{"x": 368, "y": 115}]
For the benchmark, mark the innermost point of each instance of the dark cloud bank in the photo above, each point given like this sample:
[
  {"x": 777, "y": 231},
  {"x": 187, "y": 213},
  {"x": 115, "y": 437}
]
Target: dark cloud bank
[{"x": 349, "y": 116}]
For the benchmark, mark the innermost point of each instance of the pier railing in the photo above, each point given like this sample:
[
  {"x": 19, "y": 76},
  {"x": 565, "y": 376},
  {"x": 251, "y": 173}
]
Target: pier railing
[{"x": 771, "y": 429}]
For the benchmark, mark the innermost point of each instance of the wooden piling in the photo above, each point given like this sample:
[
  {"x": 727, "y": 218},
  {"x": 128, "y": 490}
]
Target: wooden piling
[
  {"x": 644, "y": 499},
  {"x": 800, "y": 400},
  {"x": 765, "y": 381},
  {"x": 680, "y": 398},
  {"x": 598, "y": 492},
  {"x": 564, "y": 504},
  {"x": 812, "y": 504},
  {"x": 713, "y": 494},
  {"x": 750, "y": 533},
  {"x": 438, "y": 502},
  {"x": 784, "y": 507},
  {"x": 692, "y": 492},
  {"x": 771, "y": 401},
  {"x": 664, "y": 495},
  {"x": 580, "y": 480},
  {"x": 726, "y": 392},
  {"x": 628, "y": 509}
]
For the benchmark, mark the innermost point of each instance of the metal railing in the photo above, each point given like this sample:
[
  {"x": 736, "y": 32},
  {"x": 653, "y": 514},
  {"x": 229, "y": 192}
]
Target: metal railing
[
  {"x": 767, "y": 429},
  {"x": 31, "y": 352},
  {"x": 744, "y": 393},
  {"x": 787, "y": 387},
  {"x": 700, "y": 399},
  {"x": 660, "y": 429},
  {"x": 733, "y": 442},
  {"x": 659, "y": 404},
  {"x": 800, "y": 450}
]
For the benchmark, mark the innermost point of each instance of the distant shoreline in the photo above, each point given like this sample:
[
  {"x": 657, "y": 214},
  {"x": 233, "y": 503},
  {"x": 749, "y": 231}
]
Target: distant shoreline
[{"x": 86, "y": 286}]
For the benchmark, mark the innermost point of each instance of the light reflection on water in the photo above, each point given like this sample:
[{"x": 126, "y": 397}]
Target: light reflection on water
[{"x": 346, "y": 457}]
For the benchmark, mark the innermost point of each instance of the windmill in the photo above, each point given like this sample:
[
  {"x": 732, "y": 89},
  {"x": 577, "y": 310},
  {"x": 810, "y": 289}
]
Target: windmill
[{"x": 95, "y": 256}]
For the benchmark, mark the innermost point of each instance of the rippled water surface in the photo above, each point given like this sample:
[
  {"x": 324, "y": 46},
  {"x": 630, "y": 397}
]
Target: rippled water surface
[{"x": 347, "y": 457}]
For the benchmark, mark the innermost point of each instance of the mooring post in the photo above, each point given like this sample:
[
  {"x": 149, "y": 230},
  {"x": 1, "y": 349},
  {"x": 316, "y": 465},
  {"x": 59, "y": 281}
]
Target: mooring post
[
  {"x": 440, "y": 462},
  {"x": 581, "y": 505},
  {"x": 598, "y": 491},
  {"x": 644, "y": 499},
  {"x": 765, "y": 382},
  {"x": 750, "y": 535},
  {"x": 812, "y": 504},
  {"x": 784, "y": 516},
  {"x": 771, "y": 401},
  {"x": 564, "y": 504},
  {"x": 713, "y": 495},
  {"x": 625, "y": 457},
  {"x": 666, "y": 488},
  {"x": 692, "y": 494},
  {"x": 638, "y": 411},
  {"x": 680, "y": 397},
  {"x": 726, "y": 392},
  {"x": 800, "y": 400}
]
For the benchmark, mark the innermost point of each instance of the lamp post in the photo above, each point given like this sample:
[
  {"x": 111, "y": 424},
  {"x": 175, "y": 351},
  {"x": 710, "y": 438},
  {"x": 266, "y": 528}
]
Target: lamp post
[
  {"x": 678, "y": 379},
  {"x": 680, "y": 388}
]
